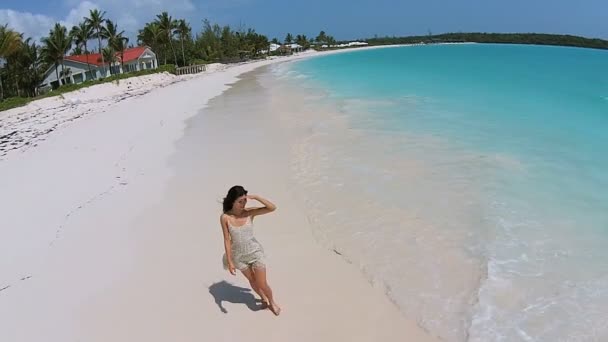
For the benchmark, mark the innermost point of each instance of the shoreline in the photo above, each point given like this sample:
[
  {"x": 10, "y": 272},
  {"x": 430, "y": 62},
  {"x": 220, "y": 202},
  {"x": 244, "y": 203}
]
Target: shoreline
[
  {"x": 24, "y": 127},
  {"x": 471, "y": 164},
  {"x": 336, "y": 141},
  {"x": 88, "y": 183}
]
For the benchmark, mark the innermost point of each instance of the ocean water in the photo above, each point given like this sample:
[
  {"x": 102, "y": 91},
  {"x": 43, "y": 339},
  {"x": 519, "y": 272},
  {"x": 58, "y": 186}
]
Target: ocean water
[{"x": 469, "y": 181}]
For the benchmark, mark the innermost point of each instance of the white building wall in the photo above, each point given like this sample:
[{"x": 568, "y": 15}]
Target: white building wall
[
  {"x": 79, "y": 71},
  {"x": 75, "y": 68}
]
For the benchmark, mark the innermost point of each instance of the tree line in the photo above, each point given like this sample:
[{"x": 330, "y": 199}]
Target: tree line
[
  {"x": 500, "y": 38},
  {"x": 23, "y": 61},
  {"x": 301, "y": 39}
]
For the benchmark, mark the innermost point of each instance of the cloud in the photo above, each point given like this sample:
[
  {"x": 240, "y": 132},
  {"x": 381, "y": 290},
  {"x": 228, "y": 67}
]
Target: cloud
[
  {"x": 128, "y": 22},
  {"x": 77, "y": 14},
  {"x": 32, "y": 25},
  {"x": 155, "y": 6},
  {"x": 163, "y": 5},
  {"x": 129, "y": 15},
  {"x": 38, "y": 25}
]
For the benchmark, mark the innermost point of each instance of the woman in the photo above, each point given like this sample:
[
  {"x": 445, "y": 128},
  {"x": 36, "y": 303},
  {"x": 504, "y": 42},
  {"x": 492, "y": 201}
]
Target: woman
[{"x": 243, "y": 251}]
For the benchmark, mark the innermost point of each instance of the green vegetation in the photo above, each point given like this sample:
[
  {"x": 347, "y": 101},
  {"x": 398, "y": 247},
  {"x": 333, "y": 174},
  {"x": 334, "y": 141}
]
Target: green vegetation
[
  {"x": 324, "y": 39},
  {"x": 20, "y": 64},
  {"x": 14, "y": 102},
  {"x": 214, "y": 43},
  {"x": 301, "y": 39},
  {"x": 23, "y": 62},
  {"x": 223, "y": 44},
  {"x": 500, "y": 38}
]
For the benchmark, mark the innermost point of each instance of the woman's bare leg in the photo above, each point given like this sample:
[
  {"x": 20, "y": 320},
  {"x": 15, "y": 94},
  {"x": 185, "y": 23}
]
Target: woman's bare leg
[
  {"x": 260, "y": 279},
  {"x": 250, "y": 275}
]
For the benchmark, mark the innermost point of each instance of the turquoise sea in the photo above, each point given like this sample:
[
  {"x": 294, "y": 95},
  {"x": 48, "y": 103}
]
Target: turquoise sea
[{"x": 469, "y": 180}]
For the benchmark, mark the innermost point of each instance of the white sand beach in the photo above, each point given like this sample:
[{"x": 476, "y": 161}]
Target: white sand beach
[{"x": 109, "y": 235}]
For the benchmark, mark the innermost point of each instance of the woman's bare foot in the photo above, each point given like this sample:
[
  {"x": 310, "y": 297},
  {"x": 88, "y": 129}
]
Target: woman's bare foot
[{"x": 275, "y": 309}]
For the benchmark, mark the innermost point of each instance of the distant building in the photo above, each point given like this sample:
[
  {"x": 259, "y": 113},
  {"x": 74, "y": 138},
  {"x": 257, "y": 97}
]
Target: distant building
[
  {"x": 296, "y": 47},
  {"x": 350, "y": 44},
  {"x": 77, "y": 70},
  {"x": 274, "y": 47},
  {"x": 286, "y": 49}
]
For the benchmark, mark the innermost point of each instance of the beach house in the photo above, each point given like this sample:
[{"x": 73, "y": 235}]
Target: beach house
[
  {"x": 273, "y": 47},
  {"x": 296, "y": 47},
  {"x": 80, "y": 68}
]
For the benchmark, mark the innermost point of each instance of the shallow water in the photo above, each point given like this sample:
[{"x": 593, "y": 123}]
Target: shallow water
[{"x": 468, "y": 181}]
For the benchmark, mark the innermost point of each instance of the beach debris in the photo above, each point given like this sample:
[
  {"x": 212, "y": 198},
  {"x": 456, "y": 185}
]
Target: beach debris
[{"x": 6, "y": 136}]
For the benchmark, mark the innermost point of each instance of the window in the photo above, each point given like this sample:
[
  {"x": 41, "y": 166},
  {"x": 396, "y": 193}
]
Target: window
[
  {"x": 78, "y": 78},
  {"x": 89, "y": 75}
]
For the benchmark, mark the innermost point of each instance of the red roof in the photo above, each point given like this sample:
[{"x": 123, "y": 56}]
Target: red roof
[{"x": 95, "y": 58}]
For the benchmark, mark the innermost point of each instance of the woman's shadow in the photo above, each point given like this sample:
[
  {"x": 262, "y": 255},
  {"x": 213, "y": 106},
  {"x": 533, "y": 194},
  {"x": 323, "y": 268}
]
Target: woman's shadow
[{"x": 223, "y": 291}]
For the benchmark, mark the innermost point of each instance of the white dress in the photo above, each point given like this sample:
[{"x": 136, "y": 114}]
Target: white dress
[{"x": 246, "y": 250}]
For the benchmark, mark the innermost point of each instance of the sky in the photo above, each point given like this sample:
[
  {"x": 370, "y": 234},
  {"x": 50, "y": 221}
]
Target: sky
[{"x": 343, "y": 19}]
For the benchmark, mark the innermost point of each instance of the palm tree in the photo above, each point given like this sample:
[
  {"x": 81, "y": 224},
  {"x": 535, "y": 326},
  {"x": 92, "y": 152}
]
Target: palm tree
[
  {"x": 166, "y": 24},
  {"x": 260, "y": 43},
  {"x": 330, "y": 41},
  {"x": 30, "y": 60},
  {"x": 10, "y": 43},
  {"x": 322, "y": 38},
  {"x": 121, "y": 46},
  {"x": 288, "y": 38},
  {"x": 116, "y": 40},
  {"x": 150, "y": 36},
  {"x": 25, "y": 67},
  {"x": 81, "y": 34},
  {"x": 109, "y": 55},
  {"x": 95, "y": 21},
  {"x": 65, "y": 72},
  {"x": 302, "y": 41},
  {"x": 182, "y": 30},
  {"x": 56, "y": 46}
]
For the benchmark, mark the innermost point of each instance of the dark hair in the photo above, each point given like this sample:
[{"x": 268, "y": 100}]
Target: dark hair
[{"x": 234, "y": 193}]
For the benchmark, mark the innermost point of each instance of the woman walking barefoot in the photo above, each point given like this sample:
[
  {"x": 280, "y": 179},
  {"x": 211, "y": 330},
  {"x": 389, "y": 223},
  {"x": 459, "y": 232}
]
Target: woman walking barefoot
[{"x": 242, "y": 250}]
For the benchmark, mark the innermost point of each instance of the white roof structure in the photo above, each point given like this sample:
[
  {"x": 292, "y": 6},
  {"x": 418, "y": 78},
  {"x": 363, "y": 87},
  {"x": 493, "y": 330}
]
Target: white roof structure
[
  {"x": 351, "y": 44},
  {"x": 274, "y": 47}
]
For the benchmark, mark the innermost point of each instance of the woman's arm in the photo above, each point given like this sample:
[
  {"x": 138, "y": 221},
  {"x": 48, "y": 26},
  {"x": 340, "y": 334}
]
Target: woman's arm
[
  {"x": 268, "y": 206},
  {"x": 227, "y": 243}
]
